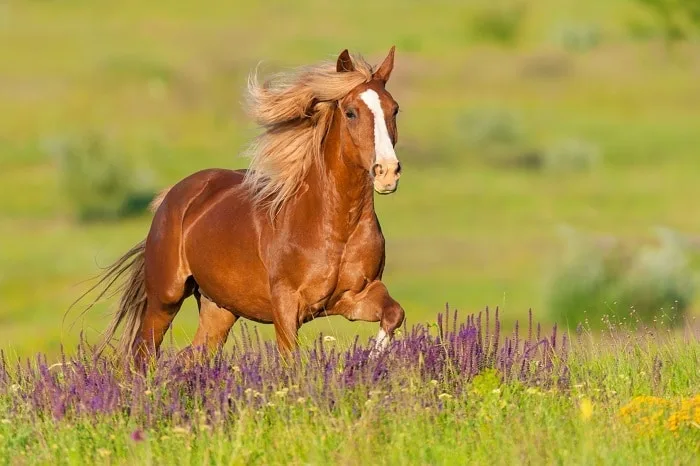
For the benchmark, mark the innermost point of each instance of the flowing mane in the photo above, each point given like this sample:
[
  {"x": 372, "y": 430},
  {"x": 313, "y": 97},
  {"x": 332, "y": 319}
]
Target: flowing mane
[{"x": 294, "y": 111}]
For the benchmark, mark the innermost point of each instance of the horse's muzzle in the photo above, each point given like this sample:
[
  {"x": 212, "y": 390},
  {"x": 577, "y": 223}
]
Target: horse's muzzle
[{"x": 386, "y": 176}]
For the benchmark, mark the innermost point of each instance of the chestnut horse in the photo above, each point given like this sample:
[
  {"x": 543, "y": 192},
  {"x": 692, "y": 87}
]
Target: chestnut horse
[{"x": 292, "y": 238}]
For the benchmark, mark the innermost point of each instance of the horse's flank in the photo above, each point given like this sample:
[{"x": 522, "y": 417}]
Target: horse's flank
[{"x": 295, "y": 112}]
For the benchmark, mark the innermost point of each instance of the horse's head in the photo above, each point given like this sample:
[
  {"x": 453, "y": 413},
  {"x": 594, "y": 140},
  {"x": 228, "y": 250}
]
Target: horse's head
[{"x": 369, "y": 131}]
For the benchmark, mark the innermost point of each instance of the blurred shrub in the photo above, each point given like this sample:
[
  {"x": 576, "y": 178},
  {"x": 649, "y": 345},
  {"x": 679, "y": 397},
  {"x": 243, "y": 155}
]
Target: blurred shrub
[
  {"x": 546, "y": 65},
  {"x": 495, "y": 135},
  {"x": 578, "y": 37},
  {"x": 571, "y": 155},
  {"x": 498, "y": 23},
  {"x": 600, "y": 282},
  {"x": 676, "y": 19},
  {"x": 97, "y": 179}
]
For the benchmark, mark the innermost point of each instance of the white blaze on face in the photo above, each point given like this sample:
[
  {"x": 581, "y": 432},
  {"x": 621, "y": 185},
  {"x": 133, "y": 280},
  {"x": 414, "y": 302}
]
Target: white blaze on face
[{"x": 384, "y": 150}]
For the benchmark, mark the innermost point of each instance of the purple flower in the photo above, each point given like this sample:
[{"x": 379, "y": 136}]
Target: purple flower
[{"x": 138, "y": 436}]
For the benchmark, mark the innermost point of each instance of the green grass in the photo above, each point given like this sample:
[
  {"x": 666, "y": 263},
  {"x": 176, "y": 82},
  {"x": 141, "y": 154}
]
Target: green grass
[
  {"x": 165, "y": 82},
  {"x": 489, "y": 423}
]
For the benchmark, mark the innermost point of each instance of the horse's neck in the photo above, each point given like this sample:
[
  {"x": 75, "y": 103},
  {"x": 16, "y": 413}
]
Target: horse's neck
[{"x": 343, "y": 192}]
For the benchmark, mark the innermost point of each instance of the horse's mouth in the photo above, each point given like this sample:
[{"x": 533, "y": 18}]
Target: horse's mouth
[{"x": 386, "y": 191}]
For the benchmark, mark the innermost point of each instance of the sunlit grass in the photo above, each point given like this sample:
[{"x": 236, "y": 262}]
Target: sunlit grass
[{"x": 165, "y": 83}]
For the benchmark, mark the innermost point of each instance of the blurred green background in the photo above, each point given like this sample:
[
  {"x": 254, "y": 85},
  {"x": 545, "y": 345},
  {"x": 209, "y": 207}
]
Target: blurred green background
[{"x": 536, "y": 137}]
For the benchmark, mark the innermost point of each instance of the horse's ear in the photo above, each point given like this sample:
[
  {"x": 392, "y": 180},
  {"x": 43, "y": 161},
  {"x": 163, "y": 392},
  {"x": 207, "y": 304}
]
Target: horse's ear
[
  {"x": 384, "y": 70},
  {"x": 344, "y": 62}
]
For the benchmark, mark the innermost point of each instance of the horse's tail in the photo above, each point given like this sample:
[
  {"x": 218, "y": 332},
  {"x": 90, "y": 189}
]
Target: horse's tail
[{"x": 132, "y": 305}]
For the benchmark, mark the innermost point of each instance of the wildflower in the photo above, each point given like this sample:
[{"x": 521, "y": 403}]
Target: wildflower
[
  {"x": 531, "y": 391},
  {"x": 137, "y": 435},
  {"x": 54, "y": 446},
  {"x": 578, "y": 385},
  {"x": 236, "y": 369},
  {"x": 586, "y": 408},
  {"x": 328, "y": 338},
  {"x": 434, "y": 383},
  {"x": 248, "y": 391},
  {"x": 301, "y": 400},
  {"x": 164, "y": 438},
  {"x": 6, "y": 421},
  {"x": 686, "y": 416},
  {"x": 444, "y": 396},
  {"x": 270, "y": 404},
  {"x": 179, "y": 430},
  {"x": 282, "y": 393},
  {"x": 148, "y": 393},
  {"x": 103, "y": 452},
  {"x": 644, "y": 413},
  {"x": 496, "y": 390}
]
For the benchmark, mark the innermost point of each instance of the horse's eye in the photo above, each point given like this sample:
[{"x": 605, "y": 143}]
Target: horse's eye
[
  {"x": 350, "y": 114},
  {"x": 396, "y": 111}
]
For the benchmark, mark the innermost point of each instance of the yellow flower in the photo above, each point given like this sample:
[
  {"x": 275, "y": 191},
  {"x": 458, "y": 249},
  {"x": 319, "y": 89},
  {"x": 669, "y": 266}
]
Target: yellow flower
[
  {"x": 586, "y": 408},
  {"x": 644, "y": 414},
  {"x": 444, "y": 396},
  {"x": 688, "y": 415}
]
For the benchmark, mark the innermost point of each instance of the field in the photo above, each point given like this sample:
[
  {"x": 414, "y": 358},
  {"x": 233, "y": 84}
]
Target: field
[
  {"x": 162, "y": 84},
  {"x": 445, "y": 394}
]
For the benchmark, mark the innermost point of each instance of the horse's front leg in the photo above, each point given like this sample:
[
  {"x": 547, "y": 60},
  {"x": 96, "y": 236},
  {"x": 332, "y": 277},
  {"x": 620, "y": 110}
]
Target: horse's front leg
[
  {"x": 371, "y": 305},
  {"x": 285, "y": 317}
]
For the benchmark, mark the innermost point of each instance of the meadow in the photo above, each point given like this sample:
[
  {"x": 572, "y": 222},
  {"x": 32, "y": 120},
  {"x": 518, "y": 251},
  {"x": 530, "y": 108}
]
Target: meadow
[
  {"x": 162, "y": 87},
  {"x": 515, "y": 130},
  {"x": 460, "y": 391}
]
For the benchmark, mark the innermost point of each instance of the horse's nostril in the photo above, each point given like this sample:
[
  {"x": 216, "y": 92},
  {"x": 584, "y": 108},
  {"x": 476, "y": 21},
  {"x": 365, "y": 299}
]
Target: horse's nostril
[
  {"x": 397, "y": 172},
  {"x": 378, "y": 169}
]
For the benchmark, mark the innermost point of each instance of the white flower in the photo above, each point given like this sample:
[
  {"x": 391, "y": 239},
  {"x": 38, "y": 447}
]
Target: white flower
[{"x": 328, "y": 338}]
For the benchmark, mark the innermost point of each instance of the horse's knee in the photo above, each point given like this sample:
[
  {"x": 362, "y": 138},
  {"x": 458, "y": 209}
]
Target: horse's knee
[{"x": 392, "y": 317}]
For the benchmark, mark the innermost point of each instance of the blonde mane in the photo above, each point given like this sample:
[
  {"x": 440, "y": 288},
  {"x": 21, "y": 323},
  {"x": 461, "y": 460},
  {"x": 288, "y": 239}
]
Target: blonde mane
[{"x": 294, "y": 110}]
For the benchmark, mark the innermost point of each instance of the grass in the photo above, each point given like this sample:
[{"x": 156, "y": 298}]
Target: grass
[
  {"x": 629, "y": 398},
  {"x": 165, "y": 84}
]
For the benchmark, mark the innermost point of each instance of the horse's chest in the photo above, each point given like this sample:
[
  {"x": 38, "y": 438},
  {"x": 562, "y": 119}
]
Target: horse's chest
[
  {"x": 361, "y": 262},
  {"x": 323, "y": 274}
]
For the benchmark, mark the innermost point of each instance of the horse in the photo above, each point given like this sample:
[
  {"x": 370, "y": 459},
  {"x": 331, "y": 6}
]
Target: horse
[{"x": 292, "y": 238}]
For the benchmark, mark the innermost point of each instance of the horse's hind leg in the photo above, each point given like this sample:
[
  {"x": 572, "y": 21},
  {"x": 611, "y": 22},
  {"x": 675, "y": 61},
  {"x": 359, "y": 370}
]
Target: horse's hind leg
[
  {"x": 214, "y": 324},
  {"x": 168, "y": 283},
  {"x": 156, "y": 322}
]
